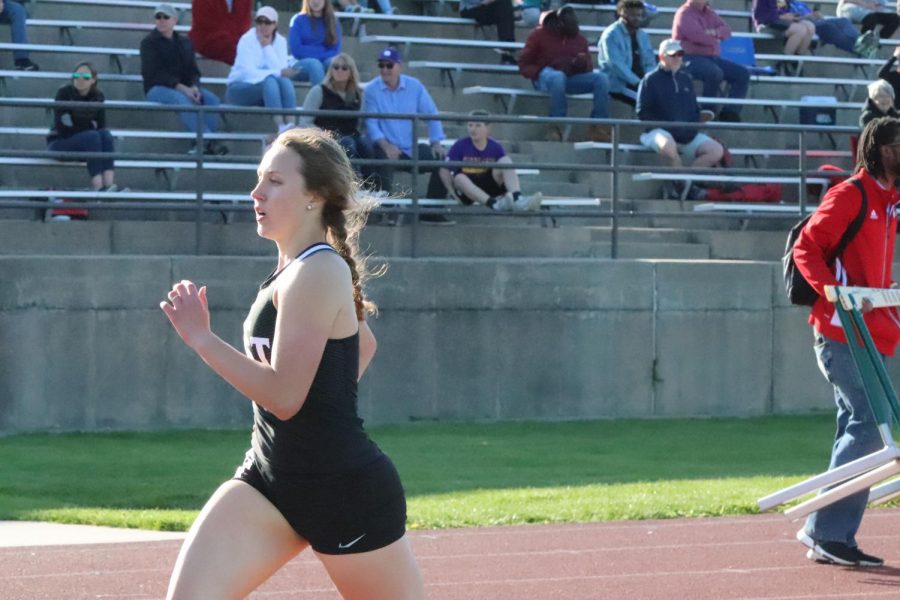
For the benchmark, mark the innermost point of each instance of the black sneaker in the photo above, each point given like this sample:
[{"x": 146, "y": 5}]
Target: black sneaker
[
  {"x": 216, "y": 149},
  {"x": 25, "y": 64},
  {"x": 837, "y": 553}
]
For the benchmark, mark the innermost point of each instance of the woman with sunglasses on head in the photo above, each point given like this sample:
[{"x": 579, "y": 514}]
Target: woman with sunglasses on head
[
  {"x": 314, "y": 40},
  {"x": 340, "y": 90},
  {"x": 84, "y": 129},
  {"x": 312, "y": 478},
  {"x": 261, "y": 75}
]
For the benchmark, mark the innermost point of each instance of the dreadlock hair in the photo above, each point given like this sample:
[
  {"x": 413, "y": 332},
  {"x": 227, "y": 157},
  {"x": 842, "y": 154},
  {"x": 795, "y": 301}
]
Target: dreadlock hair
[
  {"x": 624, "y": 5},
  {"x": 328, "y": 174},
  {"x": 877, "y": 133}
]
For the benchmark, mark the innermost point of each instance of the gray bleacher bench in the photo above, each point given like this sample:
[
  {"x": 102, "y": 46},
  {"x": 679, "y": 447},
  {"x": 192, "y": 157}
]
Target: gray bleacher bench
[
  {"x": 115, "y": 54},
  {"x": 66, "y": 26},
  {"x": 148, "y": 4},
  {"x": 749, "y": 154},
  {"x": 689, "y": 178},
  {"x": 751, "y": 208},
  {"x": 449, "y": 69},
  {"x": 67, "y": 75},
  {"x": 771, "y": 105}
]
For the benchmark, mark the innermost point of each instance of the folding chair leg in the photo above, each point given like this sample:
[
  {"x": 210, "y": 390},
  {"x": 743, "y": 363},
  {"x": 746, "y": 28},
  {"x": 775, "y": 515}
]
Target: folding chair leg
[{"x": 845, "y": 489}]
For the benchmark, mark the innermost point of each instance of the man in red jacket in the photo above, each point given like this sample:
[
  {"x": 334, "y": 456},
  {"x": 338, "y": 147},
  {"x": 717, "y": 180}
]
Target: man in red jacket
[
  {"x": 556, "y": 59},
  {"x": 830, "y": 533}
]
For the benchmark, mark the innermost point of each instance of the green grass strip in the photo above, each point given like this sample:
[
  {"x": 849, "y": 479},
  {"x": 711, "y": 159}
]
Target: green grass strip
[{"x": 455, "y": 474}]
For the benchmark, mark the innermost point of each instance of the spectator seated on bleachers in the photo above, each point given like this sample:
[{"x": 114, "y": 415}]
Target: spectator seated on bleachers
[
  {"x": 667, "y": 94},
  {"x": 871, "y": 15},
  {"x": 340, "y": 90},
  {"x": 217, "y": 25},
  {"x": 700, "y": 31},
  {"x": 394, "y": 92},
  {"x": 625, "y": 53},
  {"x": 836, "y": 31},
  {"x": 880, "y": 103},
  {"x": 171, "y": 76},
  {"x": 890, "y": 72},
  {"x": 352, "y": 6},
  {"x": 493, "y": 12},
  {"x": 498, "y": 189},
  {"x": 557, "y": 60},
  {"x": 261, "y": 75},
  {"x": 84, "y": 129},
  {"x": 314, "y": 39},
  {"x": 13, "y": 14},
  {"x": 797, "y": 33}
]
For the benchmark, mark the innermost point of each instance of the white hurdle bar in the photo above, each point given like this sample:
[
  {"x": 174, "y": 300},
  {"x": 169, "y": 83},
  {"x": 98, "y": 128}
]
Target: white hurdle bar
[{"x": 863, "y": 472}]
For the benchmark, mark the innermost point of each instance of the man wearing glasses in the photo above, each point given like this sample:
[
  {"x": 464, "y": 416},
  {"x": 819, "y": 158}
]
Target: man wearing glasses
[
  {"x": 393, "y": 92},
  {"x": 14, "y": 15},
  {"x": 667, "y": 94},
  {"x": 171, "y": 76}
]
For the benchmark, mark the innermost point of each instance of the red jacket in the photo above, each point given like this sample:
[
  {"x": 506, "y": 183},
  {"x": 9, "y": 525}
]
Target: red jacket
[
  {"x": 546, "y": 48},
  {"x": 215, "y": 31},
  {"x": 866, "y": 260}
]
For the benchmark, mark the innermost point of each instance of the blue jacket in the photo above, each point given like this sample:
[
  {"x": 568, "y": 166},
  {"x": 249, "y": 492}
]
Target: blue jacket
[
  {"x": 667, "y": 96},
  {"x": 409, "y": 97},
  {"x": 306, "y": 38},
  {"x": 614, "y": 56}
]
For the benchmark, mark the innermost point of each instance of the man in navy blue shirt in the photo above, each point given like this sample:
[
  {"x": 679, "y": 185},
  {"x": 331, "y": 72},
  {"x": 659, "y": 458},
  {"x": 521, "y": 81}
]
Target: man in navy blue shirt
[
  {"x": 667, "y": 94},
  {"x": 393, "y": 92}
]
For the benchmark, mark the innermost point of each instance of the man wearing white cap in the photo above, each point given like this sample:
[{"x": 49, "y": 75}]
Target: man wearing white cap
[
  {"x": 667, "y": 94},
  {"x": 170, "y": 74}
]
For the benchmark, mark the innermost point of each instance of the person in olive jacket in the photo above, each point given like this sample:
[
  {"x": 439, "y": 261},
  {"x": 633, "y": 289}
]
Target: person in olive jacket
[{"x": 171, "y": 76}]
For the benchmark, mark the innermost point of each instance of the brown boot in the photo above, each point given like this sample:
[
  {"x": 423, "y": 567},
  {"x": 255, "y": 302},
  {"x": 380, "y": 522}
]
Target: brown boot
[
  {"x": 554, "y": 134},
  {"x": 599, "y": 133}
]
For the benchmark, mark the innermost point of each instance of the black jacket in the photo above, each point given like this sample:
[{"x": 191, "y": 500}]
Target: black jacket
[
  {"x": 168, "y": 62},
  {"x": 889, "y": 73},
  {"x": 871, "y": 112},
  {"x": 667, "y": 96},
  {"x": 92, "y": 116}
]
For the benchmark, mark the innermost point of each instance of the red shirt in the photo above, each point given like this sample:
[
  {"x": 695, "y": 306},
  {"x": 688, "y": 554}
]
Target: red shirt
[
  {"x": 866, "y": 261},
  {"x": 689, "y": 27},
  {"x": 545, "y": 48}
]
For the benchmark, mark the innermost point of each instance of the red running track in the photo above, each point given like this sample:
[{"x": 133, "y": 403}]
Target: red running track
[{"x": 753, "y": 557}]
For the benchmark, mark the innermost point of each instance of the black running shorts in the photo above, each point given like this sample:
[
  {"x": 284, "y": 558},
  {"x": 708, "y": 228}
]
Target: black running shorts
[{"x": 357, "y": 511}]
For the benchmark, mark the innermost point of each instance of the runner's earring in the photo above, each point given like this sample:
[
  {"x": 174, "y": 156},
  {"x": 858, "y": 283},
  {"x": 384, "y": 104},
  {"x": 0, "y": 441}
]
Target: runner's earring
[{"x": 309, "y": 207}]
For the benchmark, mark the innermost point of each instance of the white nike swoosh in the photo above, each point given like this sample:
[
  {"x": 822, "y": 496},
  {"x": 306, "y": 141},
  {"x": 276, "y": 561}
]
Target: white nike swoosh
[{"x": 347, "y": 545}]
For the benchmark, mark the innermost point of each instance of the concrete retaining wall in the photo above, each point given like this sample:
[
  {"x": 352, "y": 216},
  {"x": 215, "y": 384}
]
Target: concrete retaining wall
[{"x": 85, "y": 346}]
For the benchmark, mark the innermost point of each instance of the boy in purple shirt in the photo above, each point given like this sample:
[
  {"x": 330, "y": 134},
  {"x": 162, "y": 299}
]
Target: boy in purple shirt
[{"x": 494, "y": 188}]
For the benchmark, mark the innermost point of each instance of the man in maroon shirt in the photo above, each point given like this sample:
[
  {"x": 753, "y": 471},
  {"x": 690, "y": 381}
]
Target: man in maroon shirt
[{"x": 701, "y": 31}]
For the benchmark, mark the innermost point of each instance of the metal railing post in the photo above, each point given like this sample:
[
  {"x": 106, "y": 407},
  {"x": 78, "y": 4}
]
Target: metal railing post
[
  {"x": 614, "y": 196},
  {"x": 414, "y": 232},
  {"x": 198, "y": 180},
  {"x": 802, "y": 189}
]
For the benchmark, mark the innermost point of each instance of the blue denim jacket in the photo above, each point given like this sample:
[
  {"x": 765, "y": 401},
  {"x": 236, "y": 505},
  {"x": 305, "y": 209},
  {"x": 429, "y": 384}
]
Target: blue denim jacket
[{"x": 614, "y": 56}]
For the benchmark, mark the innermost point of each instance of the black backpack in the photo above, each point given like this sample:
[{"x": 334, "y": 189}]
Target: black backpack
[{"x": 798, "y": 290}]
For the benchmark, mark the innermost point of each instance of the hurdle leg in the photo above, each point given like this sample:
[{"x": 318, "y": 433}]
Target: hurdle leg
[
  {"x": 836, "y": 475},
  {"x": 885, "y": 492},
  {"x": 845, "y": 489}
]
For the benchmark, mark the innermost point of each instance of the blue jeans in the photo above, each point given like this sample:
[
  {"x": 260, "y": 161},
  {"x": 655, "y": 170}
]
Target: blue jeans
[
  {"x": 167, "y": 95},
  {"x": 311, "y": 70},
  {"x": 712, "y": 71},
  {"x": 838, "y": 32},
  {"x": 93, "y": 140},
  {"x": 14, "y": 15},
  {"x": 271, "y": 92},
  {"x": 382, "y": 177},
  {"x": 558, "y": 85},
  {"x": 857, "y": 435},
  {"x": 356, "y": 146}
]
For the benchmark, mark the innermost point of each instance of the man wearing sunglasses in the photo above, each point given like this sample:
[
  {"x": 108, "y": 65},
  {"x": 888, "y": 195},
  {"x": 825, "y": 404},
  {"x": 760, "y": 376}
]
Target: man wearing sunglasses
[
  {"x": 393, "y": 92},
  {"x": 667, "y": 94},
  {"x": 171, "y": 76},
  {"x": 14, "y": 15}
]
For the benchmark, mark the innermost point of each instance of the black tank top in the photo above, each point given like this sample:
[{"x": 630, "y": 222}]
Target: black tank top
[{"x": 326, "y": 435}]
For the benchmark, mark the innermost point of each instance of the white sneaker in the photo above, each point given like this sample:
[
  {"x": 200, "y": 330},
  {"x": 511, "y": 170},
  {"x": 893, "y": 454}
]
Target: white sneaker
[
  {"x": 504, "y": 203},
  {"x": 533, "y": 202}
]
